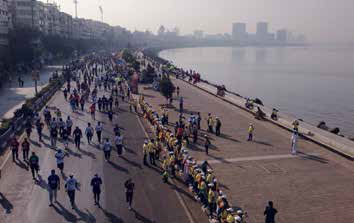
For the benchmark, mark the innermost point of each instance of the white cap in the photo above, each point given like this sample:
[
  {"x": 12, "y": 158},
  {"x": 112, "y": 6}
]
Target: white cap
[
  {"x": 239, "y": 212},
  {"x": 230, "y": 209}
]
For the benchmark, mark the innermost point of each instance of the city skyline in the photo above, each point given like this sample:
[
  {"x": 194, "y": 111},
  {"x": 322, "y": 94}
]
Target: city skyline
[{"x": 325, "y": 16}]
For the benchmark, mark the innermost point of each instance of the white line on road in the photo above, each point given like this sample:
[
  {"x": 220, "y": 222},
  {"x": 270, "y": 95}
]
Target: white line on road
[
  {"x": 255, "y": 158},
  {"x": 190, "y": 218}
]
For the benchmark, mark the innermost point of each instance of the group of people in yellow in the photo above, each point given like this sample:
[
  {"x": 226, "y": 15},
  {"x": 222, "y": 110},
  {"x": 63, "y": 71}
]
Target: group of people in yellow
[{"x": 172, "y": 152}]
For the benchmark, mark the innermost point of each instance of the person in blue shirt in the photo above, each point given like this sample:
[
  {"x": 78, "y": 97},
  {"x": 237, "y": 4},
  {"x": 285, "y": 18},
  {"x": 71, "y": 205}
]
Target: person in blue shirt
[
  {"x": 53, "y": 187},
  {"x": 96, "y": 188}
]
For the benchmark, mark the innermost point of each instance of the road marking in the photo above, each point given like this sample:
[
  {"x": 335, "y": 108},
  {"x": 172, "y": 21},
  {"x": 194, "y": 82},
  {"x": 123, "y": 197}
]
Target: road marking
[
  {"x": 181, "y": 201},
  {"x": 256, "y": 158}
]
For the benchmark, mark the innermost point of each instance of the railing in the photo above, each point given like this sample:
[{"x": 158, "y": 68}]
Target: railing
[{"x": 17, "y": 124}]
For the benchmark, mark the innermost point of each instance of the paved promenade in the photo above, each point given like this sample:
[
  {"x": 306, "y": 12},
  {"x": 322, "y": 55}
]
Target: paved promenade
[
  {"x": 313, "y": 186},
  {"x": 23, "y": 200}
]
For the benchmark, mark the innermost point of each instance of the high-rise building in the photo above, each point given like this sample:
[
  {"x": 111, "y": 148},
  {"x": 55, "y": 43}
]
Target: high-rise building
[
  {"x": 282, "y": 36},
  {"x": 198, "y": 34},
  {"x": 4, "y": 23},
  {"x": 239, "y": 31},
  {"x": 262, "y": 28}
]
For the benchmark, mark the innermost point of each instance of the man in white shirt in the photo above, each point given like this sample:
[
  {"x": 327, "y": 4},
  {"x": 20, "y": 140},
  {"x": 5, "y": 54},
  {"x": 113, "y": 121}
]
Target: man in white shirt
[
  {"x": 99, "y": 129},
  {"x": 118, "y": 139},
  {"x": 89, "y": 133},
  {"x": 107, "y": 147}
]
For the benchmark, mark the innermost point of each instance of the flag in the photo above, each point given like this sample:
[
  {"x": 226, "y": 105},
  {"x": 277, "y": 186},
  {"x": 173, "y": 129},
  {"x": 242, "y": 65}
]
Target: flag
[{"x": 101, "y": 10}]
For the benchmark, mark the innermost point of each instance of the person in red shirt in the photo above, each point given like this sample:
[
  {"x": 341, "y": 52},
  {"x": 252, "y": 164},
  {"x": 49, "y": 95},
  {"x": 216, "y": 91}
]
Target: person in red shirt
[
  {"x": 93, "y": 110},
  {"x": 14, "y": 147},
  {"x": 25, "y": 149}
]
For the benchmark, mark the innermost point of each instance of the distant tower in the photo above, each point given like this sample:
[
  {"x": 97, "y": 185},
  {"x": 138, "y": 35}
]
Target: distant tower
[{"x": 75, "y": 2}]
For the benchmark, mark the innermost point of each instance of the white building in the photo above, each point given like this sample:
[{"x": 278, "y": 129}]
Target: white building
[{"x": 4, "y": 23}]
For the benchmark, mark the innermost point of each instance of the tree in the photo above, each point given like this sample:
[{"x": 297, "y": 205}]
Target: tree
[
  {"x": 161, "y": 30},
  {"x": 166, "y": 87}
]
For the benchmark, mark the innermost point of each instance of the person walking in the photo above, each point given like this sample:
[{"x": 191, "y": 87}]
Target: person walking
[
  {"x": 71, "y": 186},
  {"x": 89, "y": 133},
  {"x": 107, "y": 147},
  {"x": 151, "y": 148},
  {"x": 39, "y": 127},
  {"x": 14, "y": 148},
  {"x": 99, "y": 129},
  {"x": 145, "y": 151},
  {"x": 53, "y": 187},
  {"x": 270, "y": 213},
  {"x": 69, "y": 124},
  {"x": 250, "y": 132},
  {"x": 217, "y": 126},
  {"x": 210, "y": 123},
  {"x": 53, "y": 137},
  {"x": 59, "y": 156},
  {"x": 207, "y": 144},
  {"x": 34, "y": 165},
  {"x": 181, "y": 104},
  {"x": 119, "y": 143},
  {"x": 96, "y": 188},
  {"x": 294, "y": 143},
  {"x": 25, "y": 149},
  {"x": 129, "y": 192},
  {"x": 77, "y": 136}
]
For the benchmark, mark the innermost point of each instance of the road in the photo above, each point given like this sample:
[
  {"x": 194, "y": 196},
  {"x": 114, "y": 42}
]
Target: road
[
  {"x": 24, "y": 200},
  {"x": 314, "y": 186}
]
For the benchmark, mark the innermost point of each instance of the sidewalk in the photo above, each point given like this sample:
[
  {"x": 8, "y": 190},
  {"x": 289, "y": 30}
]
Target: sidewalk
[
  {"x": 334, "y": 142},
  {"x": 307, "y": 188}
]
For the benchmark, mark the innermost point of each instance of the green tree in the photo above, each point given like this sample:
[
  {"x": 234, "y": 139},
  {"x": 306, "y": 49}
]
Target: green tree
[{"x": 166, "y": 87}]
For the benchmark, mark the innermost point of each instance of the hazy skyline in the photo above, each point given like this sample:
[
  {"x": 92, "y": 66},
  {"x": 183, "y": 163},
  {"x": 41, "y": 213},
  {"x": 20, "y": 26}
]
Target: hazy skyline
[{"x": 319, "y": 20}]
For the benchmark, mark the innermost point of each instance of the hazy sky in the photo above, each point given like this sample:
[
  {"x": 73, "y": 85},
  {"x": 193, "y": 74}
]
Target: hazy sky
[{"x": 320, "y": 20}]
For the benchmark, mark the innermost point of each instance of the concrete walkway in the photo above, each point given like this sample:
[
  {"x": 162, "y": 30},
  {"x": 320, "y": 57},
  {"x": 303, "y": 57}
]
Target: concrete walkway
[
  {"x": 314, "y": 186},
  {"x": 337, "y": 143}
]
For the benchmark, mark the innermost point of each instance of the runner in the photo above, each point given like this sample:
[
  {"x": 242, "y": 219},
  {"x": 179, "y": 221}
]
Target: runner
[
  {"x": 25, "y": 149},
  {"x": 69, "y": 124},
  {"x": 129, "y": 191},
  {"x": 89, "y": 133},
  {"x": 60, "y": 155},
  {"x": 39, "y": 127},
  {"x": 77, "y": 136},
  {"x": 99, "y": 129},
  {"x": 107, "y": 147},
  {"x": 96, "y": 188},
  {"x": 14, "y": 148},
  {"x": 71, "y": 186},
  {"x": 119, "y": 143},
  {"x": 93, "y": 111},
  {"x": 53, "y": 187},
  {"x": 34, "y": 165}
]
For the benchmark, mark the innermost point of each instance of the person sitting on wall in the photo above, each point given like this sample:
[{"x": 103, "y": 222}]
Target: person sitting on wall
[{"x": 274, "y": 115}]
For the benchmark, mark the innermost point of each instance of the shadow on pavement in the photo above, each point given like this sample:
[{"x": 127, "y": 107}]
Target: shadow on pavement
[
  {"x": 42, "y": 183},
  {"x": 180, "y": 190},
  {"x": 262, "y": 143},
  {"x": 21, "y": 164},
  {"x": 70, "y": 152},
  {"x": 131, "y": 162},
  {"x": 227, "y": 137},
  {"x": 313, "y": 157},
  {"x": 86, "y": 153},
  {"x": 117, "y": 167},
  {"x": 85, "y": 216},
  {"x": 130, "y": 151},
  {"x": 6, "y": 204},
  {"x": 111, "y": 217},
  {"x": 70, "y": 217},
  {"x": 141, "y": 218}
]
